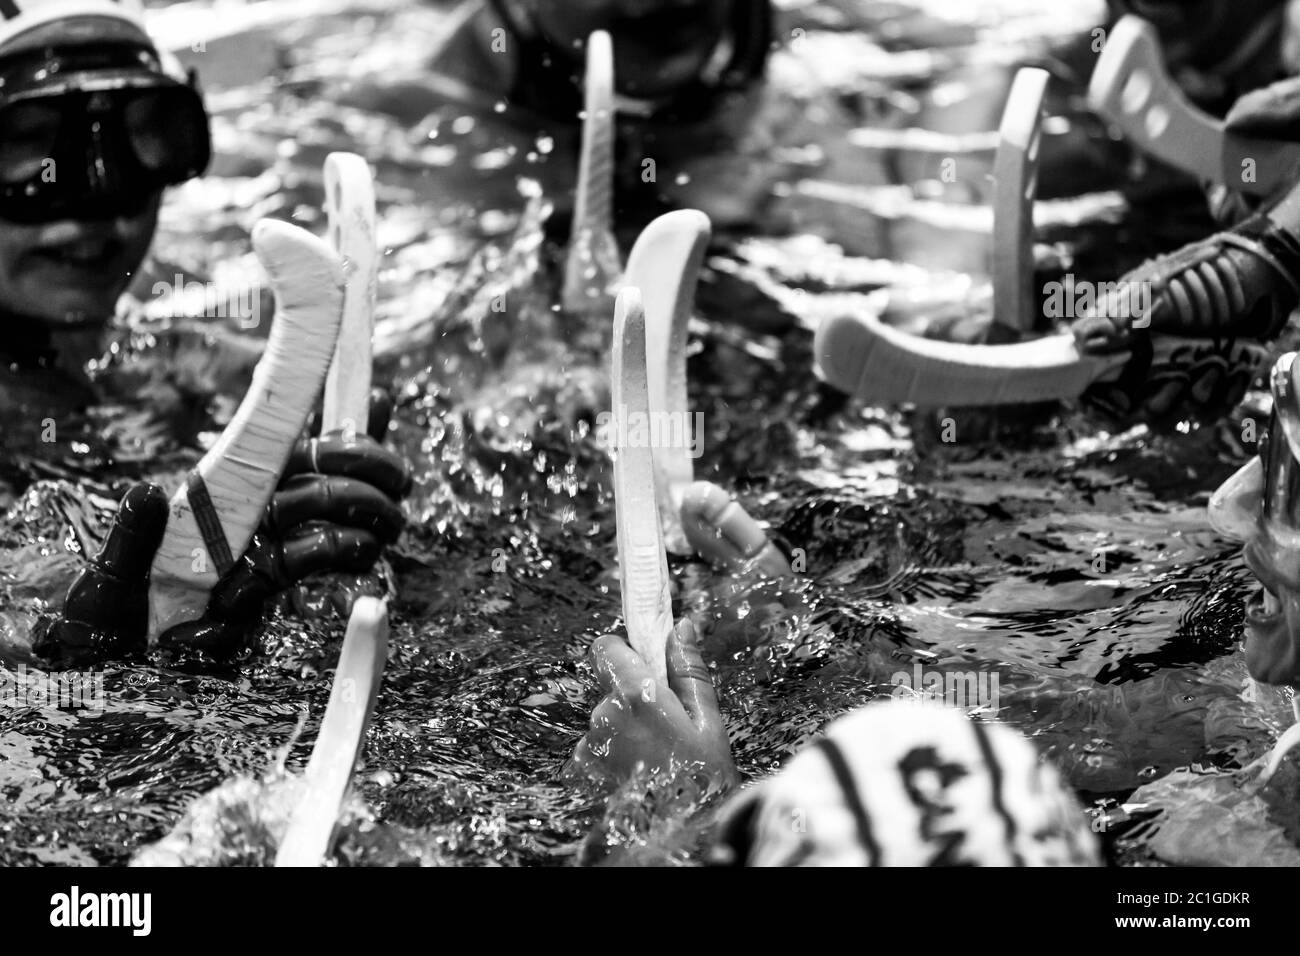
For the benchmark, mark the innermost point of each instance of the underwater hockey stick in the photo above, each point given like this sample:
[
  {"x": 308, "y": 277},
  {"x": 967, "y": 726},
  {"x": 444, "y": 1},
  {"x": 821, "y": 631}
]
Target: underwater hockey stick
[
  {"x": 592, "y": 248},
  {"x": 1131, "y": 88},
  {"x": 214, "y": 514},
  {"x": 697, "y": 516},
  {"x": 342, "y": 736},
  {"x": 642, "y": 558}
]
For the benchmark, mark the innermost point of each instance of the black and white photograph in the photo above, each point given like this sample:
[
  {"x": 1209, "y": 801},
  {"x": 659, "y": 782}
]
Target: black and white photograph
[{"x": 659, "y": 434}]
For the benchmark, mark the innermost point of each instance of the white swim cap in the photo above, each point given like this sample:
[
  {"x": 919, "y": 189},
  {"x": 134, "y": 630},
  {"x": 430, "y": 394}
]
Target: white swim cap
[
  {"x": 909, "y": 784},
  {"x": 32, "y": 24}
]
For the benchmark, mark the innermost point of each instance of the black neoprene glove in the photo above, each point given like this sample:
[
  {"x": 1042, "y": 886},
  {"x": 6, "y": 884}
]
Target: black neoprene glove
[
  {"x": 337, "y": 507},
  {"x": 1224, "y": 297}
]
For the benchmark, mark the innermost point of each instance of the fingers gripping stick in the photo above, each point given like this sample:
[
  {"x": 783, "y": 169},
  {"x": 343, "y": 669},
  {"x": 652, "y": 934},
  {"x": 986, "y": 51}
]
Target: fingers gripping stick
[
  {"x": 342, "y": 736},
  {"x": 720, "y": 530},
  {"x": 350, "y": 203},
  {"x": 591, "y": 246},
  {"x": 1131, "y": 88},
  {"x": 212, "y": 518},
  {"x": 642, "y": 559},
  {"x": 1015, "y": 177}
]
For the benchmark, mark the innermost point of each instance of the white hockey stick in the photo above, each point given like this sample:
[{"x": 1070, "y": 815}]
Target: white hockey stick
[
  {"x": 353, "y": 694},
  {"x": 350, "y": 205},
  {"x": 698, "y": 516},
  {"x": 875, "y": 362},
  {"x": 642, "y": 558},
  {"x": 213, "y": 516},
  {"x": 1015, "y": 180},
  {"x": 1131, "y": 88},
  {"x": 592, "y": 249}
]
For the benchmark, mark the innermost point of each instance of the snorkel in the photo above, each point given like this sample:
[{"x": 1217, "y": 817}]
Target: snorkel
[{"x": 1260, "y": 506}]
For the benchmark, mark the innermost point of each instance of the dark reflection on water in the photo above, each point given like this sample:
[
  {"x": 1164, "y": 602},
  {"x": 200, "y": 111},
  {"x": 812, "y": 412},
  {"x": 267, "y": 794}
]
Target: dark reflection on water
[{"x": 1074, "y": 566}]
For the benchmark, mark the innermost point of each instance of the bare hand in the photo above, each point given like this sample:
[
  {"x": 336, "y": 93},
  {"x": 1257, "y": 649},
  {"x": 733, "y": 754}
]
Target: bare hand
[{"x": 641, "y": 724}]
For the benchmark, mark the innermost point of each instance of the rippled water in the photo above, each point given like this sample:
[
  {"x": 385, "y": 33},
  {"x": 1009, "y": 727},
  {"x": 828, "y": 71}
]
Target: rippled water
[{"x": 1075, "y": 565}]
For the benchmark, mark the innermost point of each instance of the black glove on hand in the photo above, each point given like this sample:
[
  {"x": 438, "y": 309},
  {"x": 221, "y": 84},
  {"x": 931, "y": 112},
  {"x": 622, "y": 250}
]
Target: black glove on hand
[
  {"x": 1240, "y": 284},
  {"x": 337, "y": 507},
  {"x": 107, "y": 609}
]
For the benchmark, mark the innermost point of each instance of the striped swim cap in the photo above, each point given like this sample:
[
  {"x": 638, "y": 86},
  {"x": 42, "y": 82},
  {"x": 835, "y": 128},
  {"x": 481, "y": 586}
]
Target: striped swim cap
[
  {"x": 901, "y": 783},
  {"x": 31, "y": 24}
]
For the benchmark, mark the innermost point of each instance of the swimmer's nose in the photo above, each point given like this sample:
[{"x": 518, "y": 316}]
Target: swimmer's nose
[{"x": 1235, "y": 507}]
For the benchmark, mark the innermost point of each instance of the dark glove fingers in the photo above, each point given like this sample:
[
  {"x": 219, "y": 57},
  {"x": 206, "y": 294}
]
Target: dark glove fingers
[
  {"x": 1165, "y": 398},
  {"x": 381, "y": 413},
  {"x": 312, "y": 550},
  {"x": 106, "y": 610},
  {"x": 1109, "y": 401},
  {"x": 1100, "y": 335},
  {"x": 363, "y": 458},
  {"x": 238, "y": 598},
  {"x": 137, "y": 531},
  {"x": 1239, "y": 381},
  {"x": 269, "y": 566},
  {"x": 1208, "y": 383},
  {"x": 343, "y": 501},
  {"x": 1241, "y": 283},
  {"x": 70, "y": 644},
  {"x": 221, "y": 640}
]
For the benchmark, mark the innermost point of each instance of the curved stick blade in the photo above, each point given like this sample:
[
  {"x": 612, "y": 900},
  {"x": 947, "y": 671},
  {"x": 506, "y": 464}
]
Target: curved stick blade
[
  {"x": 643, "y": 561},
  {"x": 342, "y": 736},
  {"x": 878, "y": 363},
  {"x": 1015, "y": 175},
  {"x": 350, "y": 204},
  {"x": 242, "y": 470},
  {"x": 593, "y": 259},
  {"x": 1132, "y": 89},
  {"x": 665, "y": 266}
]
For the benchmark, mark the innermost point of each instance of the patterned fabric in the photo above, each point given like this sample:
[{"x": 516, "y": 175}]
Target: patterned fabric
[{"x": 910, "y": 784}]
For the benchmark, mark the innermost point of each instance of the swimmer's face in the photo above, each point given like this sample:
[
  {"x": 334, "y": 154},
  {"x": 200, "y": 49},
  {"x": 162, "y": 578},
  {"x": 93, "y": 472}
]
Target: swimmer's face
[
  {"x": 1260, "y": 507},
  {"x": 70, "y": 273},
  {"x": 659, "y": 45}
]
